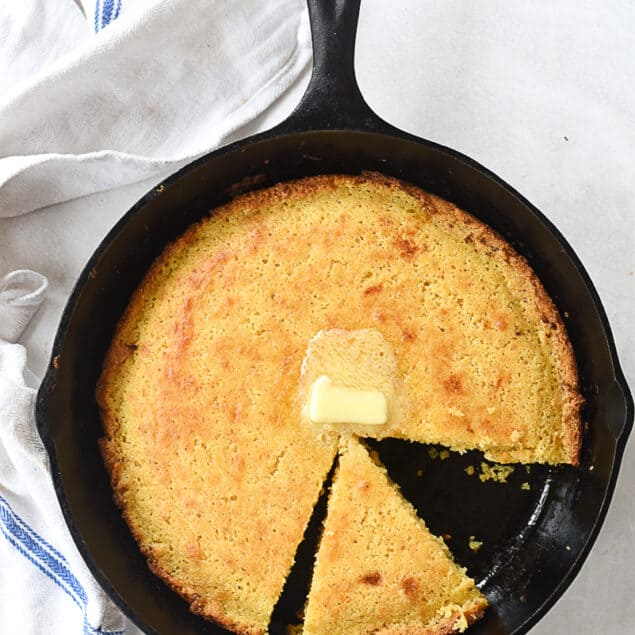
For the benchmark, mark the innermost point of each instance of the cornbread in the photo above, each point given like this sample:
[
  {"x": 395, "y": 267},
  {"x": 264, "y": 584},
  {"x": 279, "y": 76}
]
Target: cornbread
[
  {"x": 210, "y": 458},
  {"x": 378, "y": 569}
]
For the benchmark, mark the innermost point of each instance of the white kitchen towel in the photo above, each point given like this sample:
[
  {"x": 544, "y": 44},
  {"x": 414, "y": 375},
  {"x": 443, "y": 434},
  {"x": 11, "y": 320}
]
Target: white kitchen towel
[
  {"x": 133, "y": 88},
  {"x": 21, "y": 293},
  {"x": 45, "y": 586}
]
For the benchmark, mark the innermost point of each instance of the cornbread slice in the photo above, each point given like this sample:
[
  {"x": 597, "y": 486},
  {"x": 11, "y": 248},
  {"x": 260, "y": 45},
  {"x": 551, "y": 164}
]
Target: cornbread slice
[{"x": 378, "y": 569}]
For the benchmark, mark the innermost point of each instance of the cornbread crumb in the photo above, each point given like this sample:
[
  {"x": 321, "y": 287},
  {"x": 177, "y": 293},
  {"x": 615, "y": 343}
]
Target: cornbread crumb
[
  {"x": 461, "y": 622},
  {"x": 433, "y": 453},
  {"x": 496, "y": 473},
  {"x": 525, "y": 486},
  {"x": 444, "y": 454},
  {"x": 469, "y": 470},
  {"x": 419, "y": 472},
  {"x": 474, "y": 544}
]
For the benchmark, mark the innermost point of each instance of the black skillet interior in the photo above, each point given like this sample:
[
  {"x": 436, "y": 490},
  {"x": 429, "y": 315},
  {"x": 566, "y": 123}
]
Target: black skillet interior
[{"x": 534, "y": 540}]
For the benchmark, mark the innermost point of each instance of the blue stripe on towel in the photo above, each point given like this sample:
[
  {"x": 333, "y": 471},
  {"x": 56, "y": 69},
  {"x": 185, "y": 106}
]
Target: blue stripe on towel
[
  {"x": 36, "y": 547},
  {"x": 47, "y": 573},
  {"x": 31, "y": 532},
  {"x": 106, "y": 11},
  {"x": 106, "y": 15},
  {"x": 46, "y": 558}
]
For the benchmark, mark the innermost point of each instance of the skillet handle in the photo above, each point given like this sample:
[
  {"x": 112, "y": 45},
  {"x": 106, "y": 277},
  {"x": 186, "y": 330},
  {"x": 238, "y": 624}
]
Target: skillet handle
[
  {"x": 332, "y": 99},
  {"x": 620, "y": 408}
]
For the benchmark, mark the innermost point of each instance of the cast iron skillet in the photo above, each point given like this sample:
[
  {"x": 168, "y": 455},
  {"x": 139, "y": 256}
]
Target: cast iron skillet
[{"x": 534, "y": 541}]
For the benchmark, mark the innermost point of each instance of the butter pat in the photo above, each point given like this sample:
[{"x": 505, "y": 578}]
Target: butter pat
[{"x": 329, "y": 403}]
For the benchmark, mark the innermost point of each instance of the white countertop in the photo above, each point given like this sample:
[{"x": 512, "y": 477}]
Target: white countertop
[{"x": 545, "y": 98}]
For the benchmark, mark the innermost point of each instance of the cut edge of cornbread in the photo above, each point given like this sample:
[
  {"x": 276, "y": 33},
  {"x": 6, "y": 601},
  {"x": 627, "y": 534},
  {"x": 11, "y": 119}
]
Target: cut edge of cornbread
[{"x": 366, "y": 508}]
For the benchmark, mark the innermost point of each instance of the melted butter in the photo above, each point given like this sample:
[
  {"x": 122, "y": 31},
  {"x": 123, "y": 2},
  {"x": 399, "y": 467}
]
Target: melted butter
[
  {"x": 349, "y": 383},
  {"x": 330, "y": 403}
]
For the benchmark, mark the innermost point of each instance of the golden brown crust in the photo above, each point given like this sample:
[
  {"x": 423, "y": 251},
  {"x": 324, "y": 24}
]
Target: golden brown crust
[
  {"x": 447, "y": 626},
  {"x": 400, "y": 250},
  {"x": 482, "y": 234}
]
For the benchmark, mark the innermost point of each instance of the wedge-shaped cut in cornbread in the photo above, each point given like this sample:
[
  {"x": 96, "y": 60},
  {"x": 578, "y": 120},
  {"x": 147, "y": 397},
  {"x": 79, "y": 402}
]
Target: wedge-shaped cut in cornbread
[{"x": 378, "y": 569}]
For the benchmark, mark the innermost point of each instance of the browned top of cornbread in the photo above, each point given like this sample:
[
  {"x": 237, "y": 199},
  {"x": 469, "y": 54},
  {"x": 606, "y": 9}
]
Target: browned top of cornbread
[
  {"x": 378, "y": 569},
  {"x": 209, "y": 461},
  {"x": 481, "y": 349}
]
